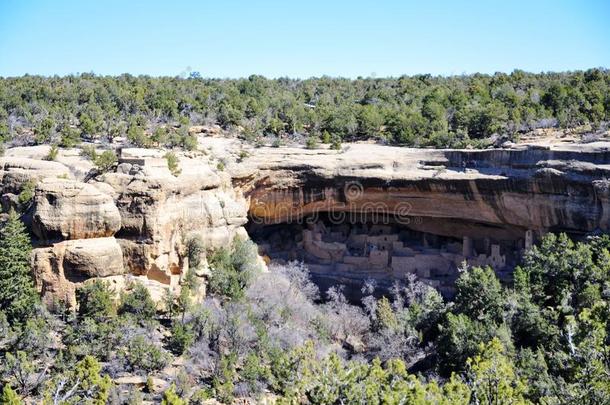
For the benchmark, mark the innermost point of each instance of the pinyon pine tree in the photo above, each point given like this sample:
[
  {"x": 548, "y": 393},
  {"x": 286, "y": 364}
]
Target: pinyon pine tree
[
  {"x": 9, "y": 397},
  {"x": 17, "y": 293}
]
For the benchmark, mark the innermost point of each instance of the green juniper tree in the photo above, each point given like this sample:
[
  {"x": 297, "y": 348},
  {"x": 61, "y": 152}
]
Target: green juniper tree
[
  {"x": 17, "y": 293},
  {"x": 9, "y": 397}
]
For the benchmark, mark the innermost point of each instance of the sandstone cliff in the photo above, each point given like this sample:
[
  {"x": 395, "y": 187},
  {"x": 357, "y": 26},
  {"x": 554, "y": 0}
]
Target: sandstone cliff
[
  {"x": 129, "y": 223},
  {"x": 440, "y": 207},
  {"x": 133, "y": 221},
  {"x": 454, "y": 192}
]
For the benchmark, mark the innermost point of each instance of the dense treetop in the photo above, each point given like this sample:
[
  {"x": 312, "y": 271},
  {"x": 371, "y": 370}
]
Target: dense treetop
[
  {"x": 421, "y": 110},
  {"x": 542, "y": 339}
]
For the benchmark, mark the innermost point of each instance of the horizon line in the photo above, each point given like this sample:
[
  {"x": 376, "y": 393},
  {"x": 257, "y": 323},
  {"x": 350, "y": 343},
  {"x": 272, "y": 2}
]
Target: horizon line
[{"x": 187, "y": 75}]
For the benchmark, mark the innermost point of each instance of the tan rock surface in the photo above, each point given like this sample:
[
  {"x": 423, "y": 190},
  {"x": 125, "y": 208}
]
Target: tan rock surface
[
  {"x": 98, "y": 257},
  {"x": 151, "y": 211},
  {"x": 497, "y": 193},
  {"x": 61, "y": 268},
  {"x": 16, "y": 171},
  {"x": 68, "y": 209},
  {"x": 510, "y": 188}
]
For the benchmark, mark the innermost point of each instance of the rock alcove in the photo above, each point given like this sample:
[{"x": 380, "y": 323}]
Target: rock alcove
[{"x": 365, "y": 212}]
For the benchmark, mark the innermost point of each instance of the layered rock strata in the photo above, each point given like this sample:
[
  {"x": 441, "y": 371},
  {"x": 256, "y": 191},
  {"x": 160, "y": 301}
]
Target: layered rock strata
[
  {"x": 490, "y": 204},
  {"x": 442, "y": 205},
  {"x": 498, "y": 193},
  {"x": 130, "y": 223}
]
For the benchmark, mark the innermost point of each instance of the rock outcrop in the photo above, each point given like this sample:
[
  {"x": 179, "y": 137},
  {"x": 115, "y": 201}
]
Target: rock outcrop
[
  {"x": 61, "y": 267},
  {"x": 135, "y": 221},
  {"x": 16, "y": 171},
  {"x": 70, "y": 209},
  {"x": 489, "y": 204},
  {"x": 86, "y": 258},
  {"x": 454, "y": 192},
  {"x": 130, "y": 223}
]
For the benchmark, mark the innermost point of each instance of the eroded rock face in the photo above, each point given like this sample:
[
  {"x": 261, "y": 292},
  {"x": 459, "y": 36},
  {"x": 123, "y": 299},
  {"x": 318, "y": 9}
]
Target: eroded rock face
[
  {"x": 455, "y": 192},
  {"x": 70, "y": 209},
  {"x": 129, "y": 223},
  {"x": 134, "y": 222},
  {"x": 60, "y": 268},
  {"x": 16, "y": 171},
  {"x": 98, "y": 257},
  {"x": 159, "y": 212},
  {"x": 50, "y": 280},
  {"x": 445, "y": 206}
]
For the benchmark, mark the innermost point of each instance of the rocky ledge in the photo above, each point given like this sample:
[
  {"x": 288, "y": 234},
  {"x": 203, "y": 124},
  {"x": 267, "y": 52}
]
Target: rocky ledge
[
  {"x": 559, "y": 188},
  {"x": 134, "y": 221},
  {"x": 438, "y": 208}
]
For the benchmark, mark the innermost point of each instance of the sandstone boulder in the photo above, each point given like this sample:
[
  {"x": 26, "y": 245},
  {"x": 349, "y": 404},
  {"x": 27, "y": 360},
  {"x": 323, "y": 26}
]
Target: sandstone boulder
[
  {"x": 98, "y": 257},
  {"x": 48, "y": 274},
  {"x": 49, "y": 167},
  {"x": 68, "y": 209},
  {"x": 16, "y": 171},
  {"x": 59, "y": 269}
]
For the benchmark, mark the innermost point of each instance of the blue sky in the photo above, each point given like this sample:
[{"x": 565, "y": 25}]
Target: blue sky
[{"x": 230, "y": 38}]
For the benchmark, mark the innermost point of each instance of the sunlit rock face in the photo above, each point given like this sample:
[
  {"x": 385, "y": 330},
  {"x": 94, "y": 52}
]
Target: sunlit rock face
[
  {"x": 59, "y": 268},
  {"x": 366, "y": 212},
  {"x": 481, "y": 207},
  {"x": 70, "y": 209},
  {"x": 131, "y": 223},
  {"x": 516, "y": 190}
]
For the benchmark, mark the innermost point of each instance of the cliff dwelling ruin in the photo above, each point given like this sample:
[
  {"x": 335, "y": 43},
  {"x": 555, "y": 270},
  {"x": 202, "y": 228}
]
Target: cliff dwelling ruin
[
  {"x": 366, "y": 249},
  {"x": 423, "y": 212},
  {"x": 368, "y": 212}
]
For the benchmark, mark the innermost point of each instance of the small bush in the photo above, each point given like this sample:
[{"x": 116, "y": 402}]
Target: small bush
[
  {"x": 326, "y": 137},
  {"x": 95, "y": 301},
  {"x": 159, "y": 136},
  {"x": 243, "y": 155},
  {"x": 171, "y": 398},
  {"x": 9, "y": 397},
  {"x": 140, "y": 354},
  {"x": 81, "y": 384},
  {"x": 311, "y": 142},
  {"x": 172, "y": 163},
  {"x": 69, "y": 137},
  {"x": 182, "y": 338},
  {"x": 138, "y": 303},
  {"x": 189, "y": 142},
  {"x": 53, "y": 152},
  {"x": 89, "y": 152},
  {"x": 254, "y": 372},
  {"x": 44, "y": 130},
  {"x": 194, "y": 250},
  {"x": 105, "y": 161},
  {"x": 232, "y": 269},
  {"x": 27, "y": 192},
  {"x": 335, "y": 142},
  {"x": 220, "y": 166},
  {"x": 223, "y": 381},
  {"x": 136, "y": 135},
  {"x": 150, "y": 385}
]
